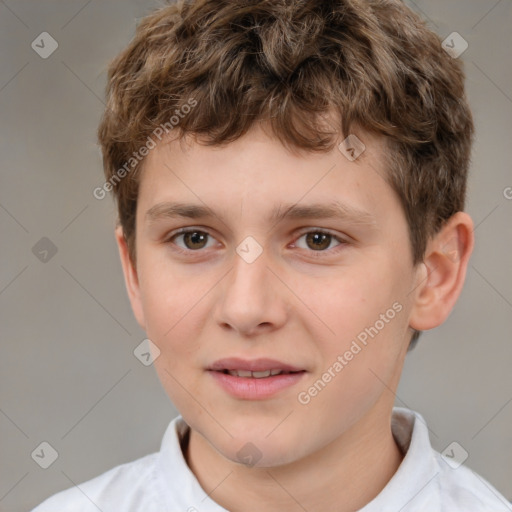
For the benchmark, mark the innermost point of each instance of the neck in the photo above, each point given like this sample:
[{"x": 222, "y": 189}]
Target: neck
[{"x": 343, "y": 476}]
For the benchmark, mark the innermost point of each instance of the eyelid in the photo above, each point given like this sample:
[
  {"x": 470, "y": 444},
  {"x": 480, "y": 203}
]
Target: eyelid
[{"x": 325, "y": 231}]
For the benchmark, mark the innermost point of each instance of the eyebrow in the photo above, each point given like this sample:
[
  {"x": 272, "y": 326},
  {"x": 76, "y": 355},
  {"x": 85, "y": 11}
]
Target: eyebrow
[{"x": 333, "y": 210}]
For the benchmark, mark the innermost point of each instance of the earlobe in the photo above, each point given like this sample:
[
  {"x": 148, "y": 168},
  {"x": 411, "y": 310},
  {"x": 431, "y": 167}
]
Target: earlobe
[
  {"x": 442, "y": 274},
  {"x": 131, "y": 278}
]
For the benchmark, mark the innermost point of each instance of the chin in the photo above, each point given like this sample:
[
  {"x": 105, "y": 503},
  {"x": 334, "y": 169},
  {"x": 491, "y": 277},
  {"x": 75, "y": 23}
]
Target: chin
[
  {"x": 260, "y": 451},
  {"x": 260, "y": 460}
]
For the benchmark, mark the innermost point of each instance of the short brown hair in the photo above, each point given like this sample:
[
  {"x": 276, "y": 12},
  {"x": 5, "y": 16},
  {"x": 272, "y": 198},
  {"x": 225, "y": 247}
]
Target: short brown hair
[{"x": 290, "y": 62}]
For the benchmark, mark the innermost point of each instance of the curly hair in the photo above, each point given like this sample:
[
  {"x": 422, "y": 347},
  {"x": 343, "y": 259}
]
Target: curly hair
[{"x": 374, "y": 63}]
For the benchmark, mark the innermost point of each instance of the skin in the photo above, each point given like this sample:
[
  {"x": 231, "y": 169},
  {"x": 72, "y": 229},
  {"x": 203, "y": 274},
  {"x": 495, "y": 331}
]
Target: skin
[{"x": 295, "y": 303}]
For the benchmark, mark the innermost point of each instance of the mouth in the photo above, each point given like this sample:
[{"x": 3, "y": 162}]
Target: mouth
[
  {"x": 256, "y": 379},
  {"x": 247, "y": 374},
  {"x": 253, "y": 367}
]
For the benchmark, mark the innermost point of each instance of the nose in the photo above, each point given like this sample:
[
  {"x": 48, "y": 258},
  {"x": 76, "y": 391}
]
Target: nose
[{"x": 252, "y": 300}]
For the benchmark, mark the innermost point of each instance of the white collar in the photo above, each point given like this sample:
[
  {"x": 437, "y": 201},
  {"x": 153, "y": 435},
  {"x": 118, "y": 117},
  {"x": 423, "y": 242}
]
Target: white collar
[{"x": 179, "y": 487}]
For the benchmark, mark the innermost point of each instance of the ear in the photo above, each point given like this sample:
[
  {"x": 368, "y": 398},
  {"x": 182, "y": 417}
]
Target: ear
[
  {"x": 441, "y": 276},
  {"x": 130, "y": 277}
]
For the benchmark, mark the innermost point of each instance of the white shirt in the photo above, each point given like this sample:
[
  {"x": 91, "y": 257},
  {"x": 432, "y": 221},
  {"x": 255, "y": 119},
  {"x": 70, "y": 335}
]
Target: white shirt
[{"x": 163, "y": 482}]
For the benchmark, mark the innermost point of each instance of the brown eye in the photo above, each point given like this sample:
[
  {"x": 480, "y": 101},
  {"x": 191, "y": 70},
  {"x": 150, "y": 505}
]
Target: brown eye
[
  {"x": 318, "y": 241},
  {"x": 193, "y": 240}
]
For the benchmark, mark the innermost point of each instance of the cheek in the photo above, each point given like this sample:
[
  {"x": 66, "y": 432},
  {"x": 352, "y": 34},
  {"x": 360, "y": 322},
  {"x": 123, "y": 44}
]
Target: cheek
[
  {"x": 171, "y": 301},
  {"x": 363, "y": 322},
  {"x": 347, "y": 301},
  {"x": 357, "y": 368}
]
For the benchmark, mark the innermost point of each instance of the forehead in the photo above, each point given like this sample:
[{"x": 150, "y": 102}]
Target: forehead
[{"x": 256, "y": 172}]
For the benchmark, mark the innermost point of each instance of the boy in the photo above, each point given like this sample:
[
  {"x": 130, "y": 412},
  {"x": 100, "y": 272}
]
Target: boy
[{"x": 290, "y": 179}]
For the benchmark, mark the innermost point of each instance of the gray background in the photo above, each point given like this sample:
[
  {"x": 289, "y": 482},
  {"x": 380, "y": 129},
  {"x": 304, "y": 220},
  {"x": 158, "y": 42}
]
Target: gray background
[{"x": 67, "y": 369}]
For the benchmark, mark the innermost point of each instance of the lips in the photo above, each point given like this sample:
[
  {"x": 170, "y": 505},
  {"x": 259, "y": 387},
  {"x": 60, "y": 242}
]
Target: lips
[
  {"x": 255, "y": 368},
  {"x": 255, "y": 375},
  {"x": 257, "y": 379}
]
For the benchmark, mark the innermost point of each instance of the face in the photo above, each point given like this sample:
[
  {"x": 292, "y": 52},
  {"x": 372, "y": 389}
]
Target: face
[{"x": 303, "y": 264}]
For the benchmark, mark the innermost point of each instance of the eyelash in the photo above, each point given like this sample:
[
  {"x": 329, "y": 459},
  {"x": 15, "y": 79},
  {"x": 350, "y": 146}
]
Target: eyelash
[{"x": 319, "y": 253}]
